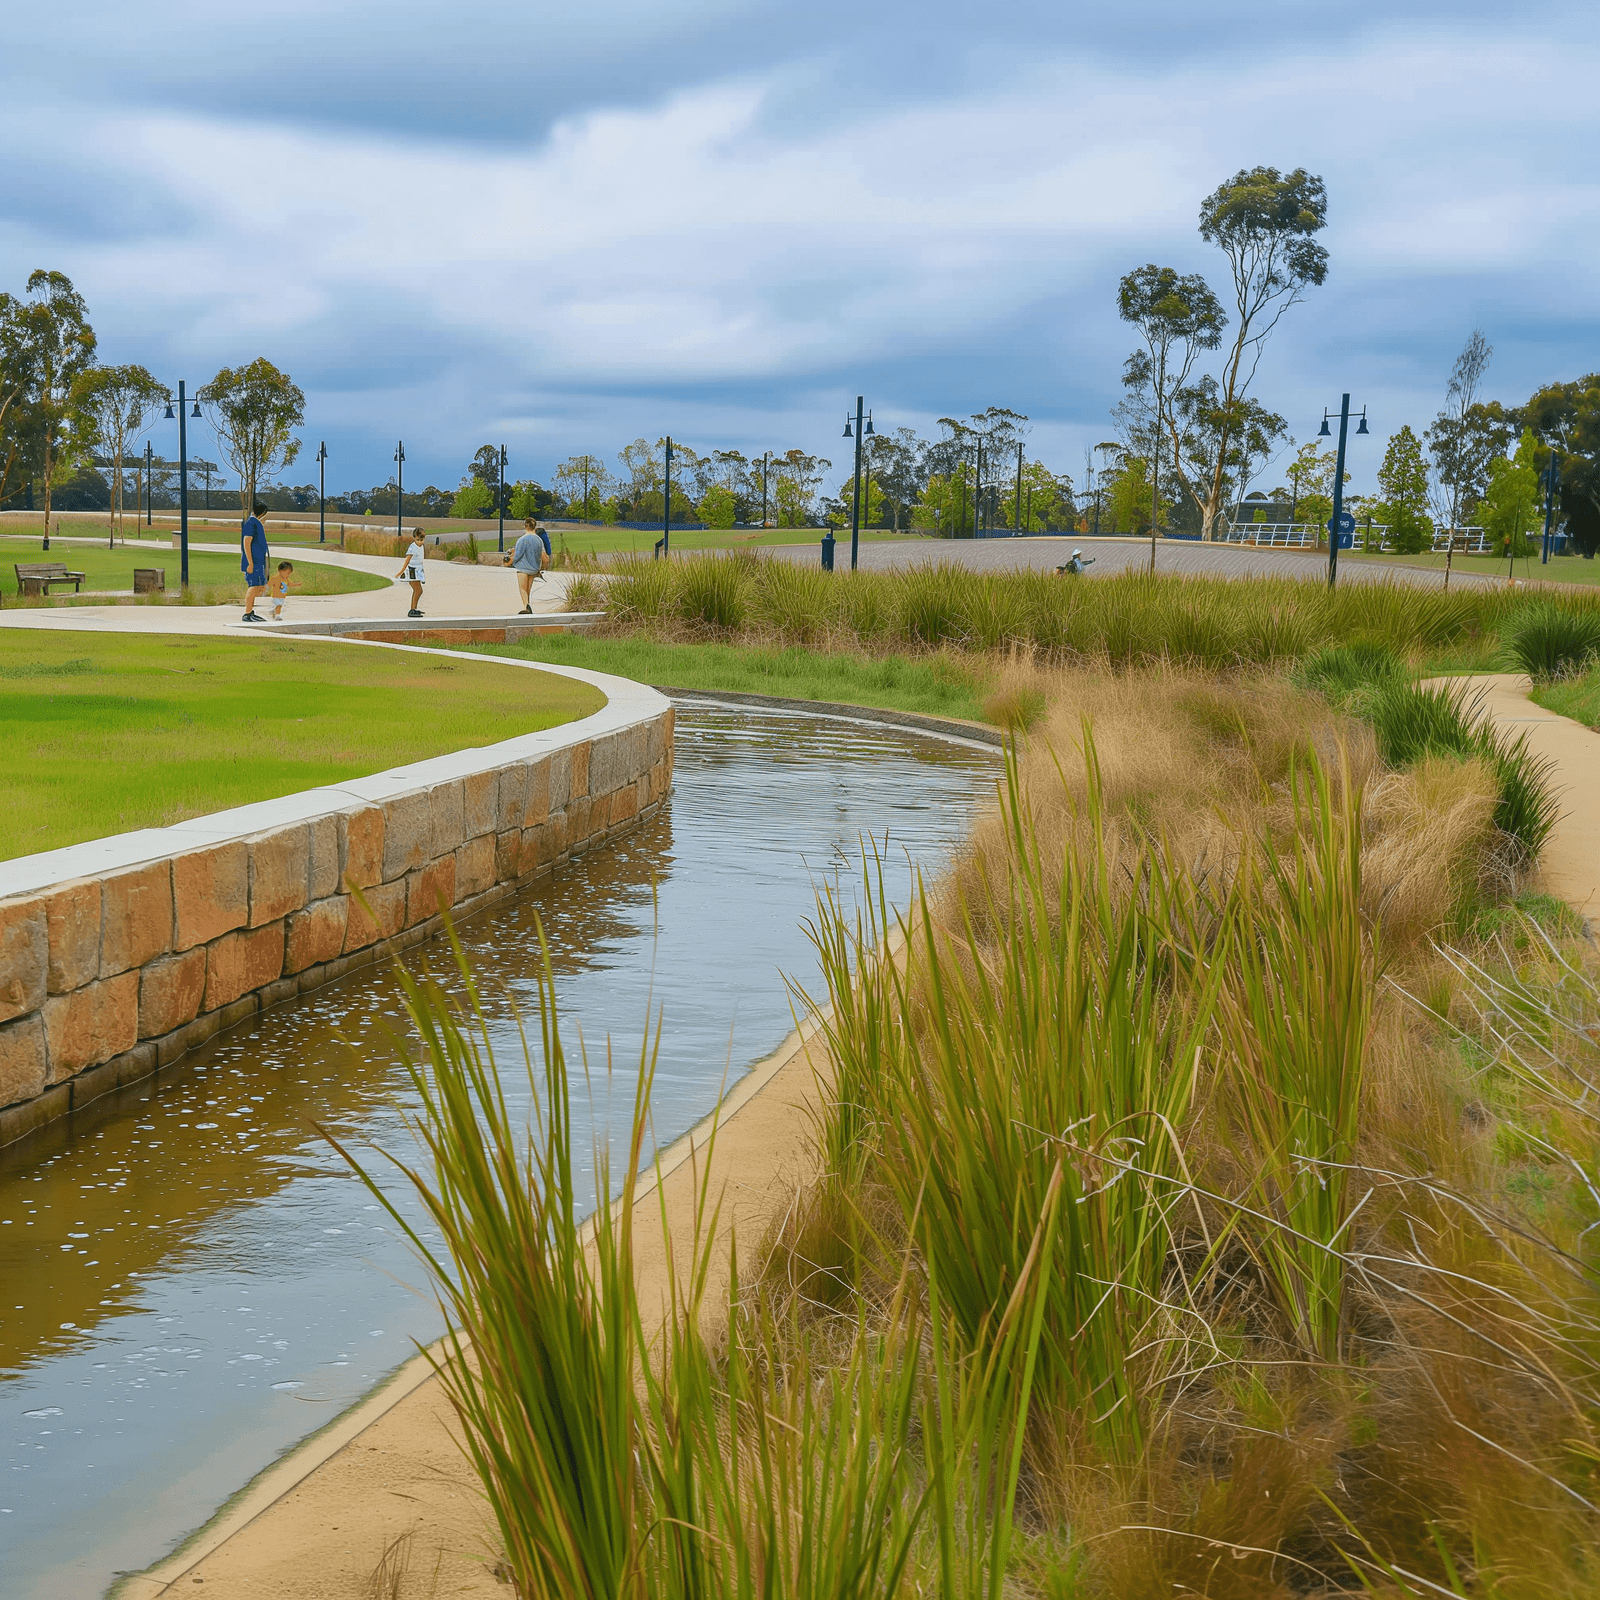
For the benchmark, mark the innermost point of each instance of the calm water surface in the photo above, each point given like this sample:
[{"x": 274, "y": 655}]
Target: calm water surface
[{"x": 191, "y": 1280}]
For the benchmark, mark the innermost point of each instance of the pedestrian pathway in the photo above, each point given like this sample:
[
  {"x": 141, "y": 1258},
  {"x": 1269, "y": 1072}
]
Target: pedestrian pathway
[
  {"x": 1569, "y": 867},
  {"x": 455, "y": 592}
]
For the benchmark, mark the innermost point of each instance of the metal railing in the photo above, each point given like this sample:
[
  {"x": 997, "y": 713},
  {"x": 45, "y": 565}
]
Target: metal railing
[{"x": 1308, "y": 535}]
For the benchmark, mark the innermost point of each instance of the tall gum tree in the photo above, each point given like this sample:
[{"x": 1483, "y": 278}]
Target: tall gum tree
[
  {"x": 255, "y": 410},
  {"x": 117, "y": 402},
  {"x": 1264, "y": 222},
  {"x": 61, "y": 346}
]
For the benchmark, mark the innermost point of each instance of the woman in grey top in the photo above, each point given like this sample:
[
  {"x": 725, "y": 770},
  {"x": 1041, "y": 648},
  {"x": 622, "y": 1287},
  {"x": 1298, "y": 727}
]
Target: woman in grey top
[{"x": 528, "y": 559}]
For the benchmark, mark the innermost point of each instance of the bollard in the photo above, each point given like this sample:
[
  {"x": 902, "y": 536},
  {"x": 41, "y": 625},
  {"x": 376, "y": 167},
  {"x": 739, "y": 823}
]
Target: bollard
[{"x": 827, "y": 552}]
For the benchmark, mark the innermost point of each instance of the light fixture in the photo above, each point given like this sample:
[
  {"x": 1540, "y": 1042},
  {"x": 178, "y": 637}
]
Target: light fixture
[
  {"x": 196, "y": 411},
  {"x": 1361, "y": 427},
  {"x": 169, "y": 411},
  {"x": 1324, "y": 431},
  {"x": 847, "y": 432},
  {"x": 869, "y": 422}
]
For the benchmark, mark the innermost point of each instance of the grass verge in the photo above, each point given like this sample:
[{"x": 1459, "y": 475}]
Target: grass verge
[
  {"x": 935, "y": 685},
  {"x": 106, "y": 734}
]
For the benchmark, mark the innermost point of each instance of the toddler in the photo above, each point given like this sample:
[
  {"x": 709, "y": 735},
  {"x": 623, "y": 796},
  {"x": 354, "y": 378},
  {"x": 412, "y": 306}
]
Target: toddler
[{"x": 281, "y": 585}]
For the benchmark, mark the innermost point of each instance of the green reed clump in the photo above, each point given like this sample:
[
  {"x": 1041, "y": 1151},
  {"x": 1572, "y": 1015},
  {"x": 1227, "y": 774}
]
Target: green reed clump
[
  {"x": 723, "y": 1455},
  {"x": 711, "y": 590},
  {"x": 1549, "y": 641},
  {"x": 1294, "y": 1011},
  {"x": 979, "y": 1085}
]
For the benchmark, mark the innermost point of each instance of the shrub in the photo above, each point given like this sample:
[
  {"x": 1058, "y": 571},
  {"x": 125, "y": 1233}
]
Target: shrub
[
  {"x": 1549, "y": 641},
  {"x": 711, "y": 590}
]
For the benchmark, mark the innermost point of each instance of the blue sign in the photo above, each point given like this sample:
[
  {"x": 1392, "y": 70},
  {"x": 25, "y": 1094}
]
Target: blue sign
[
  {"x": 1344, "y": 524},
  {"x": 1347, "y": 541}
]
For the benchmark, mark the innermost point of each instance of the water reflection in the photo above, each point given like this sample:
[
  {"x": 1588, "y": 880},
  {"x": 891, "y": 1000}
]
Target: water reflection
[{"x": 193, "y": 1281}]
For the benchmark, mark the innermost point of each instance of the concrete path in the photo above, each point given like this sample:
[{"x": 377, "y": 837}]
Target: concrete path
[
  {"x": 455, "y": 592},
  {"x": 1569, "y": 868},
  {"x": 1182, "y": 556}
]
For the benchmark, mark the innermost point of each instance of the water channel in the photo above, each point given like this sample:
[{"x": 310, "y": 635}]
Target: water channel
[{"x": 190, "y": 1279}]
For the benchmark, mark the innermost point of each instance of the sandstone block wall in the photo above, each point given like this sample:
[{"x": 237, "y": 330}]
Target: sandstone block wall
[{"x": 166, "y": 936}]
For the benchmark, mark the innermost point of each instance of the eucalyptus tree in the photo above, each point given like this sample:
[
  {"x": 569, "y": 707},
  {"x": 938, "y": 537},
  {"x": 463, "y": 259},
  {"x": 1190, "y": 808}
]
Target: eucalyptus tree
[
  {"x": 1264, "y": 222},
  {"x": 255, "y": 410},
  {"x": 117, "y": 403},
  {"x": 1566, "y": 417},
  {"x": 583, "y": 482},
  {"x": 59, "y": 347},
  {"x": 1461, "y": 452}
]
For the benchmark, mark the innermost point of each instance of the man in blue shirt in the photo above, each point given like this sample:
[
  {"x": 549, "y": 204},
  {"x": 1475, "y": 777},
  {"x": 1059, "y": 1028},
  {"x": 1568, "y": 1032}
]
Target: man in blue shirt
[{"x": 253, "y": 559}]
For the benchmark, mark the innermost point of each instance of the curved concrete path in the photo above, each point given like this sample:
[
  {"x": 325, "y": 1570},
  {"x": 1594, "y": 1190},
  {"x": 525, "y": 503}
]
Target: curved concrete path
[
  {"x": 1569, "y": 866},
  {"x": 455, "y": 591}
]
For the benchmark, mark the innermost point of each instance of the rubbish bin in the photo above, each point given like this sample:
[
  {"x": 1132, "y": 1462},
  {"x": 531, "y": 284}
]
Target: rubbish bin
[
  {"x": 149, "y": 580},
  {"x": 827, "y": 552}
]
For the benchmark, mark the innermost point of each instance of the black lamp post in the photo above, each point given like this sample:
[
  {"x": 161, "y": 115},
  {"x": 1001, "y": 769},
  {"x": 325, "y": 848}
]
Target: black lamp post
[
  {"x": 1552, "y": 478},
  {"x": 399, "y": 487},
  {"x": 766, "y": 464},
  {"x": 862, "y": 426},
  {"x": 1016, "y": 515},
  {"x": 666, "y": 503},
  {"x": 1336, "y": 528},
  {"x": 502, "y": 498},
  {"x": 148, "y": 459},
  {"x": 183, "y": 479},
  {"x": 322, "y": 491}
]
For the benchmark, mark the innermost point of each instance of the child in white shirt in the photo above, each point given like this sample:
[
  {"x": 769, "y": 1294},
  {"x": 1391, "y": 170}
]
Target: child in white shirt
[{"x": 411, "y": 571}]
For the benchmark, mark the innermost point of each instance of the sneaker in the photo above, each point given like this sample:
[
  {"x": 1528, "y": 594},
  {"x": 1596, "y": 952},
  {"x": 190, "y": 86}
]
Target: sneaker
[
  {"x": 249, "y": 616},
  {"x": 413, "y": 613},
  {"x": 526, "y": 611}
]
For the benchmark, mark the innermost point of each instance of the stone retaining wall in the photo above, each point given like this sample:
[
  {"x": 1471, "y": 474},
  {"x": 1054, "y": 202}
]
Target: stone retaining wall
[{"x": 118, "y": 956}]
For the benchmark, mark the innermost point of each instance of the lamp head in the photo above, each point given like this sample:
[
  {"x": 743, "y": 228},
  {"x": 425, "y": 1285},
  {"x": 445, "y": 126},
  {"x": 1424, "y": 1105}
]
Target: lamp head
[
  {"x": 1323, "y": 431},
  {"x": 869, "y": 422},
  {"x": 1361, "y": 427},
  {"x": 169, "y": 411},
  {"x": 847, "y": 433},
  {"x": 196, "y": 411}
]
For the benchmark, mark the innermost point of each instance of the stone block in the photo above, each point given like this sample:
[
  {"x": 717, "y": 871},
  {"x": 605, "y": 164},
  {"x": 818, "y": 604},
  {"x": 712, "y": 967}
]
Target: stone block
[
  {"x": 513, "y": 792},
  {"x": 241, "y": 962},
  {"x": 275, "y": 993},
  {"x": 280, "y": 867},
  {"x": 136, "y": 919},
  {"x": 361, "y": 837},
  {"x": 475, "y": 863},
  {"x": 581, "y": 822},
  {"x": 382, "y": 915},
  {"x": 508, "y": 856},
  {"x": 323, "y": 877},
  {"x": 445, "y": 815},
  {"x": 407, "y": 834},
  {"x": 607, "y": 757},
  {"x": 580, "y": 772},
  {"x": 660, "y": 733},
  {"x": 558, "y": 776},
  {"x": 210, "y": 893},
  {"x": 24, "y": 956},
  {"x": 24, "y": 1064},
  {"x": 128, "y": 1067},
  {"x": 431, "y": 890},
  {"x": 170, "y": 992},
  {"x": 622, "y": 805},
  {"x": 72, "y": 924},
  {"x": 480, "y": 804},
  {"x": 536, "y": 799},
  {"x": 91, "y": 1024},
  {"x": 316, "y": 934}
]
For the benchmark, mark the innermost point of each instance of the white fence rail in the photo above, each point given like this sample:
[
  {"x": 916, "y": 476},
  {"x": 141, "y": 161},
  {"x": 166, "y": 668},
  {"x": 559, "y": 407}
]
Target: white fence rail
[{"x": 1309, "y": 535}]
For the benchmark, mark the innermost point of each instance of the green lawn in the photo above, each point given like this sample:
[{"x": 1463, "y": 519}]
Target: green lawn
[
  {"x": 934, "y": 685},
  {"x": 1578, "y": 698},
  {"x": 215, "y": 577},
  {"x": 103, "y": 735},
  {"x": 596, "y": 541},
  {"x": 1561, "y": 569}
]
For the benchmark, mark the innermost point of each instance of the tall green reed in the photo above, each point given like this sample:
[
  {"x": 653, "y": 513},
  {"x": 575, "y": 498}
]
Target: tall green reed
[{"x": 1294, "y": 1012}]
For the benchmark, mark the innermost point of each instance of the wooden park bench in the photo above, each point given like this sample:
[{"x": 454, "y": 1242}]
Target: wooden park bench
[{"x": 35, "y": 577}]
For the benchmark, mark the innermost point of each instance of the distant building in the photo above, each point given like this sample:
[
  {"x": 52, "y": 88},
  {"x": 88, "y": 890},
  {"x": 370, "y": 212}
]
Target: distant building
[{"x": 1259, "y": 507}]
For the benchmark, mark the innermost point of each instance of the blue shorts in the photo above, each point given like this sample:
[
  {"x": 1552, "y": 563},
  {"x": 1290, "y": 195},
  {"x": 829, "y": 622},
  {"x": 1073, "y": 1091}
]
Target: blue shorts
[{"x": 256, "y": 579}]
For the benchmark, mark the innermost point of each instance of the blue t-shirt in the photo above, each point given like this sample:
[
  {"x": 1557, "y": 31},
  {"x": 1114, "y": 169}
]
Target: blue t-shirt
[{"x": 257, "y": 535}]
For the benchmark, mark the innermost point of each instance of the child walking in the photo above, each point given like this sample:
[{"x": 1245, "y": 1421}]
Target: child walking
[
  {"x": 281, "y": 585},
  {"x": 411, "y": 571}
]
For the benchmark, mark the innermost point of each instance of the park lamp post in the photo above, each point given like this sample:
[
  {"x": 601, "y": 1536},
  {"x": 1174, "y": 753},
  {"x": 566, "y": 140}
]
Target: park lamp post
[
  {"x": 501, "y": 497},
  {"x": 766, "y": 466},
  {"x": 322, "y": 491},
  {"x": 183, "y": 479},
  {"x": 399, "y": 487},
  {"x": 863, "y": 426},
  {"x": 1552, "y": 480},
  {"x": 1341, "y": 525}
]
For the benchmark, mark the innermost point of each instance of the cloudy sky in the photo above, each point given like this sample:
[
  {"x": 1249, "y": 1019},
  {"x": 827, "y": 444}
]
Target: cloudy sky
[{"x": 562, "y": 226}]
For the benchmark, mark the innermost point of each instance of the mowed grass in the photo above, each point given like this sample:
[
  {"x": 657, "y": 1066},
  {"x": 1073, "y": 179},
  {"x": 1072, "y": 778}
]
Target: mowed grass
[
  {"x": 1576, "y": 697},
  {"x": 934, "y": 685},
  {"x": 642, "y": 541},
  {"x": 1560, "y": 569},
  {"x": 103, "y": 735},
  {"x": 113, "y": 569}
]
